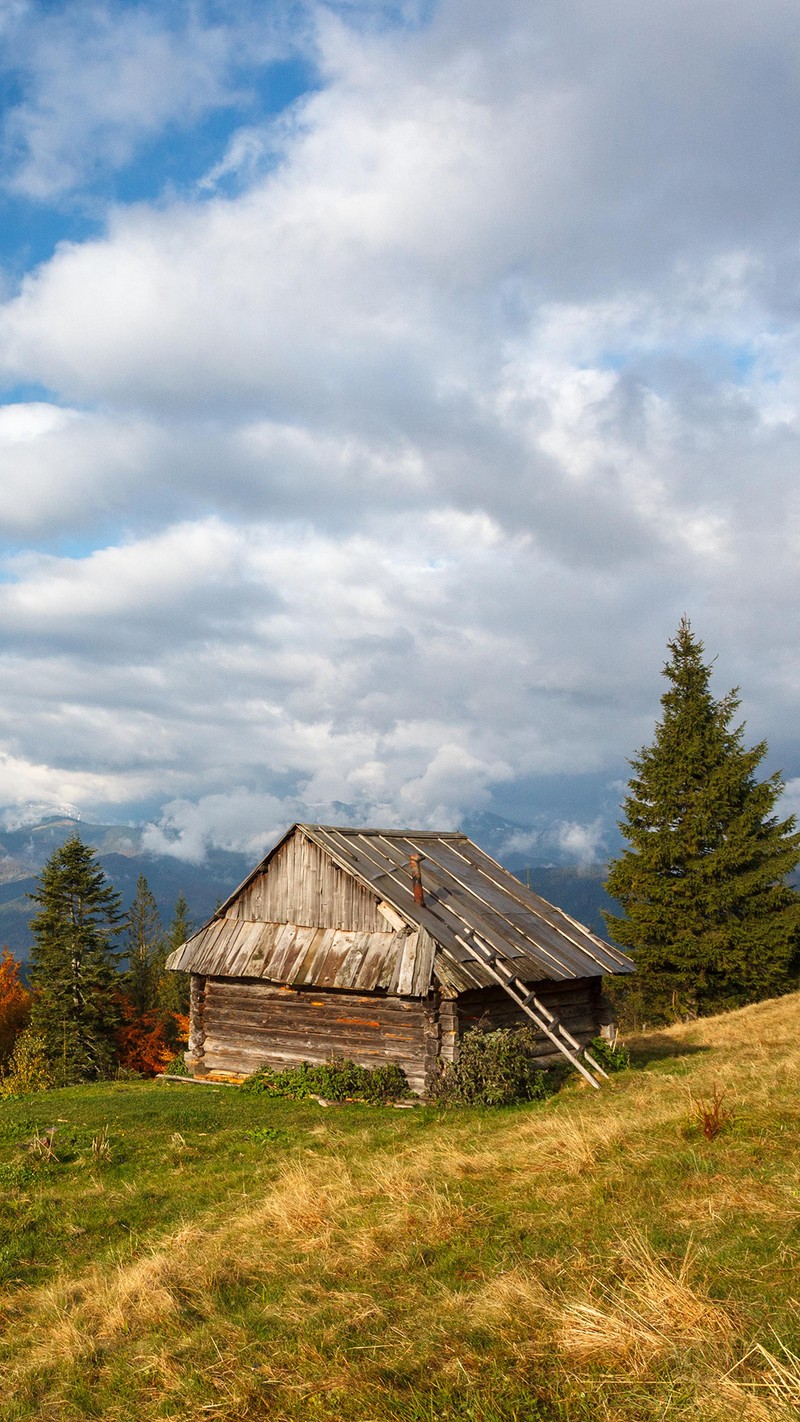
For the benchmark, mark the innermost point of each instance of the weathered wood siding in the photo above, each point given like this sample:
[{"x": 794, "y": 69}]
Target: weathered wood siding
[
  {"x": 248, "y": 1023},
  {"x": 197, "y": 1036},
  {"x": 577, "y": 1002},
  {"x": 304, "y": 886}
]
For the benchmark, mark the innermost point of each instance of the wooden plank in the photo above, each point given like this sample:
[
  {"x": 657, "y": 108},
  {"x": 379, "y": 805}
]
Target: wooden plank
[
  {"x": 408, "y": 960},
  {"x": 301, "y": 970},
  {"x": 276, "y": 1014},
  {"x": 285, "y": 938},
  {"x": 483, "y": 906},
  {"x": 371, "y": 973},
  {"x": 349, "y": 972},
  {"x": 391, "y": 1046},
  {"x": 294, "y": 966},
  {"x": 398, "y": 923},
  {"x": 609, "y": 958},
  {"x": 249, "y": 942},
  {"x": 423, "y": 968},
  {"x": 261, "y": 1013}
]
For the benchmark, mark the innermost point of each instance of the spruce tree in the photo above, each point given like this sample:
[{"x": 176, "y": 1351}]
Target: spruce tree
[
  {"x": 173, "y": 992},
  {"x": 707, "y": 911},
  {"x": 145, "y": 950},
  {"x": 73, "y": 964}
]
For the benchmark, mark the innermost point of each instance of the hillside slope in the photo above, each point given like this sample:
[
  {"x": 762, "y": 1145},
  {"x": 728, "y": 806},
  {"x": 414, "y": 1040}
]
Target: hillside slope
[{"x": 198, "y": 1252}]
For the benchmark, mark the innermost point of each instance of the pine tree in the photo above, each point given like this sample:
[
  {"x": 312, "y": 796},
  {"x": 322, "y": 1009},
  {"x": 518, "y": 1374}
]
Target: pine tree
[
  {"x": 73, "y": 964},
  {"x": 707, "y": 911},
  {"x": 145, "y": 950},
  {"x": 154, "y": 1001},
  {"x": 174, "y": 987},
  {"x": 181, "y": 926}
]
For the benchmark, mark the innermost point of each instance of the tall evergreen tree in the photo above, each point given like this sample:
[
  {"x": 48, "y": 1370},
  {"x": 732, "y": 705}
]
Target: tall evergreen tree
[
  {"x": 707, "y": 911},
  {"x": 73, "y": 964},
  {"x": 173, "y": 992},
  {"x": 145, "y": 950},
  {"x": 181, "y": 926}
]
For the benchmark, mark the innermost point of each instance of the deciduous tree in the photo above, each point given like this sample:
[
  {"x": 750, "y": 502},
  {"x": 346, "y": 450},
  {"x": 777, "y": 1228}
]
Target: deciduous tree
[
  {"x": 15, "y": 1004},
  {"x": 153, "y": 1024}
]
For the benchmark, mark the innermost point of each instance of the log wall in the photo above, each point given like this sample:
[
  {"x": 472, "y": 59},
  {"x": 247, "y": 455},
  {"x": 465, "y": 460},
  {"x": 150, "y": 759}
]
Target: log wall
[
  {"x": 249, "y": 1023},
  {"x": 195, "y": 1046},
  {"x": 240, "y": 1024},
  {"x": 304, "y": 886},
  {"x": 577, "y": 1002}
]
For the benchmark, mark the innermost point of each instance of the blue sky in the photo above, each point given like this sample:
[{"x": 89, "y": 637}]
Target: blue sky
[{"x": 378, "y": 387}]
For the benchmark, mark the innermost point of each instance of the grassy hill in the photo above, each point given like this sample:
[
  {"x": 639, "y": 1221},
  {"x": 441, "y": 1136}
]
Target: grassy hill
[{"x": 197, "y": 1252}]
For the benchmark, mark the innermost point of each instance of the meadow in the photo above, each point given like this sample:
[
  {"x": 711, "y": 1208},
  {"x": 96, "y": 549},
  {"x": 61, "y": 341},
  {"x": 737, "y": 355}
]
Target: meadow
[{"x": 176, "y": 1251}]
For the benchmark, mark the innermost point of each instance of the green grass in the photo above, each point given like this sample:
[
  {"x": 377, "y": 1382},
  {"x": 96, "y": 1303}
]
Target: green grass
[{"x": 588, "y": 1257}]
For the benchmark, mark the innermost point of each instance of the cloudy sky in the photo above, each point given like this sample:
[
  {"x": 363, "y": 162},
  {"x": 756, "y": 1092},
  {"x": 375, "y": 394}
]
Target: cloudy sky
[{"x": 380, "y": 384}]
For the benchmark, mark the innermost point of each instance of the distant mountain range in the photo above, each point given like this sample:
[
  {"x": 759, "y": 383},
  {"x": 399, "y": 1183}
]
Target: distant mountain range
[{"x": 23, "y": 852}]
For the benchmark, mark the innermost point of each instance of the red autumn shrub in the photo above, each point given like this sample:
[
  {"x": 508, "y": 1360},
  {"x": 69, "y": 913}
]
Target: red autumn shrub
[
  {"x": 15, "y": 1004},
  {"x": 148, "y": 1041}
]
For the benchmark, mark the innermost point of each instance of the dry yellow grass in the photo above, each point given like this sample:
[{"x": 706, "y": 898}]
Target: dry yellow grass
[
  {"x": 651, "y": 1310},
  {"x": 530, "y": 1235}
]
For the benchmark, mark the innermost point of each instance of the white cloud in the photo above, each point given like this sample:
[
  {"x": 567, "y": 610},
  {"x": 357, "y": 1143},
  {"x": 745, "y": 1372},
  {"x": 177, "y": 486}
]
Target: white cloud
[
  {"x": 582, "y": 842},
  {"x": 406, "y": 459},
  {"x": 238, "y": 820},
  {"x": 56, "y": 788},
  {"x": 100, "y": 80}
]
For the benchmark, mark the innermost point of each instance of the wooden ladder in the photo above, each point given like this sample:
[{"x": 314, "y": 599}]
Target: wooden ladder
[{"x": 545, "y": 1020}]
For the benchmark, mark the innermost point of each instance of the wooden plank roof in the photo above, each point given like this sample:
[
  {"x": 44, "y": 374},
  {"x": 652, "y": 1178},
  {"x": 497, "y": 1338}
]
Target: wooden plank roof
[
  {"x": 303, "y": 956},
  {"x": 466, "y": 893}
]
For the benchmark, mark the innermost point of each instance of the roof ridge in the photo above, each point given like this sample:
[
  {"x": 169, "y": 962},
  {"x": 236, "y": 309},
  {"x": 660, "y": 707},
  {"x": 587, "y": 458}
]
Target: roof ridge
[{"x": 398, "y": 833}]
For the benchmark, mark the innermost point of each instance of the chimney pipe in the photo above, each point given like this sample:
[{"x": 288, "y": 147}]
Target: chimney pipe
[{"x": 416, "y": 879}]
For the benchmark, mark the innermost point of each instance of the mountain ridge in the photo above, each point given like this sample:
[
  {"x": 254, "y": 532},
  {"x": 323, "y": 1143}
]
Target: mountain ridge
[{"x": 23, "y": 852}]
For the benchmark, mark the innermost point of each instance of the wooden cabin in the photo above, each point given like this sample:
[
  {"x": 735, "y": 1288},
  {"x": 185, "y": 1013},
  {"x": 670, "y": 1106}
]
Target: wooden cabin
[{"x": 385, "y": 946}]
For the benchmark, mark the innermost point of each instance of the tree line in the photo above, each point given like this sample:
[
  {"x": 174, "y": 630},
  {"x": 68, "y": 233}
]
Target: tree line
[{"x": 100, "y": 998}]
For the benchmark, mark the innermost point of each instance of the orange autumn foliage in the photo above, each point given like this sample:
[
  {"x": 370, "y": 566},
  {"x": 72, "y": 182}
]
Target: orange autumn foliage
[
  {"x": 148, "y": 1041},
  {"x": 15, "y": 1004}
]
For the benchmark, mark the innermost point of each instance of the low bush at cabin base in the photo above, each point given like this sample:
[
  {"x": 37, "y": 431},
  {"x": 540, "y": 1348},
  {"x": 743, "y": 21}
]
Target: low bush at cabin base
[
  {"x": 496, "y": 1068},
  {"x": 336, "y": 1081},
  {"x": 612, "y": 1056}
]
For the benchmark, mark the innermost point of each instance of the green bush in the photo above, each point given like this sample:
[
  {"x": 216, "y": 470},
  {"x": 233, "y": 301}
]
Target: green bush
[
  {"x": 495, "y": 1069},
  {"x": 177, "y": 1067},
  {"x": 28, "y": 1067},
  {"x": 612, "y": 1056},
  {"x": 337, "y": 1080}
]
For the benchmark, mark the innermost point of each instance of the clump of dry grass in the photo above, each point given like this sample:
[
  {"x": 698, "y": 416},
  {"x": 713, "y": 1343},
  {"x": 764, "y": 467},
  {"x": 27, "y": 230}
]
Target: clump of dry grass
[
  {"x": 649, "y": 1311},
  {"x": 773, "y": 1390},
  {"x": 76, "y": 1315}
]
